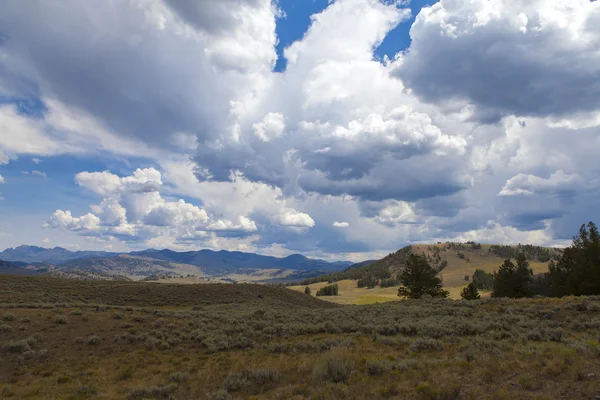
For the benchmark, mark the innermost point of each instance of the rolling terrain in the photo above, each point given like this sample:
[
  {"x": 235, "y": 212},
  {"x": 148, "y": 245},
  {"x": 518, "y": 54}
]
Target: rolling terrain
[
  {"x": 454, "y": 260},
  {"x": 64, "y": 339}
]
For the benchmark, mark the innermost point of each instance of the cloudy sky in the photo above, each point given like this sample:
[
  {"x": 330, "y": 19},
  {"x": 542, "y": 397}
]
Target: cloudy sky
[{"x": 338, "y": 129}]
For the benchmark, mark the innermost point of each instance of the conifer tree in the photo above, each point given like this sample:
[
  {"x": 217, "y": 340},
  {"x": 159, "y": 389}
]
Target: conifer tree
[
  {"x": 470, "y": 292},
  {"x": 419, "y": 278},
  {"x": 577, "y": 272}
]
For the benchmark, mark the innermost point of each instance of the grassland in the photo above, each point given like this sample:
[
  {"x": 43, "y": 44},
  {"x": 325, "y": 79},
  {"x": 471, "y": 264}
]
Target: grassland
[
  {"x": 63, "y": 339},
  {"x": 453, "y": 275}
]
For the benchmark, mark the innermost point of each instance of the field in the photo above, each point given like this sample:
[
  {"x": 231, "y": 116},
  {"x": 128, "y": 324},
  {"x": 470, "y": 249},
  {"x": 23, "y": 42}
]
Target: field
[
  {"x": 453, "y": 276},
  {"x": 62, "y": 339}
]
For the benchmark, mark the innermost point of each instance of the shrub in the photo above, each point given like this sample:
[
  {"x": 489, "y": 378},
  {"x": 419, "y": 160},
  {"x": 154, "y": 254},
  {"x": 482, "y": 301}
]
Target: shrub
[
  {"x": 178, "y": 377},
  {"x": 378, "y": 367},
  {"x": 61, "y": 320},
  {"x": 85, "y": 391},
  {"x": 261, "y": 377},
  {"x": 426, "y": 344},
  {"x": 333, "y": 368},
  {"x": 235, "y": 382},
  {"x": 63, "y": 379},
  {"x": 153, "y": 392},
  {"x": 5, "y": 328},
  {"x": 93, "y": 340},
  {"x": 307, "y": 290},
  {"x": 76, "y": 312},
  {"x": 9, "y": 317}
]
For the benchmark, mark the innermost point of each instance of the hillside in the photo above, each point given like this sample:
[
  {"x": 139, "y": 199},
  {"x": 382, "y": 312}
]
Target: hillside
[
  {"x": 134, "y": 267},
  {"x": 23, "y": 290},
  {"x": 455, "y": 261}
]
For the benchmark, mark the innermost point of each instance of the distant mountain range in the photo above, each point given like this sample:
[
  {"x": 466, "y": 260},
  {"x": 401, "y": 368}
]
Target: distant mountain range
[{"x": 140, "y": 264}]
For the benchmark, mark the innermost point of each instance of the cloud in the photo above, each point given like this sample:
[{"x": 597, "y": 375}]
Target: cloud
[
  {"x": 36, "y": 160},
  {"x": 246, "y": 158},
  {"x": 133, "y": 209},
  {"x": 172, "y": 74},
  {"x": 144, "y": 180},
  {"x": 295, "y": 218},
  {"x": 2, "y": 179},
  {"x": 271, "y": 127},
  {"x": 243, "y": 225},
  {"x": 525, "y": 58},
  {"x": 340, "y": 224},
  {"x": 64, "y": 220},
  {"x": 558, "y": 183},
  {"x": 38, "y": 173}
]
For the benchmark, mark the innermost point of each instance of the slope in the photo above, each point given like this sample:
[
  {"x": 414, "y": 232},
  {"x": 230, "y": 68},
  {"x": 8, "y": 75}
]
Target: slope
[{"x": 26, "y": 289}]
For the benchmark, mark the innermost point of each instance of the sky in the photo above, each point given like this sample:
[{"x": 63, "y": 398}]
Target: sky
[{"x": 341, "y": 130}]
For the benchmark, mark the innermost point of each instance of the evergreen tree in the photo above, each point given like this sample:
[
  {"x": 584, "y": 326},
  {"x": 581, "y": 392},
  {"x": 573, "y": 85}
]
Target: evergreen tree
[
  {"x": 470, "y": 292},
  {"x": 577, "y": 272},
  {"x": 307, "y": 290},
  {"x": 513, "y": 280},
  {"x": 419, "y": 278},
  {"x": 483, "y": 280}
]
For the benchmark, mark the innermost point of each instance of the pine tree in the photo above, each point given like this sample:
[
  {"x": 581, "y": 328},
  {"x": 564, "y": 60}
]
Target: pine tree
[
  {"x": 470, "y": 292},
  {"x": 577, "y": 272},
  {"x": 419, "y": 278},
  {"x": 307, "y": 290},
  {"x": 513, "y": 280}
]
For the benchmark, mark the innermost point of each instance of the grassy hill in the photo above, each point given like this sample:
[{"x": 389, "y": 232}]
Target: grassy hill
[
  {"x": 23, "y": 290},
  {"x": 455, "y": 261}
]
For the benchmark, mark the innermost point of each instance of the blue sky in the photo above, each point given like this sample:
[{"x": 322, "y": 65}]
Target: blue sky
[{"x": 169, "y": 127}]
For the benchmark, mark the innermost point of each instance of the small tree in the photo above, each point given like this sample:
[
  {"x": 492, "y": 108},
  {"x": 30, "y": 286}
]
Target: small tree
[
  {"x": 470, "y": 292},
  {"x": 307, "y": 290},
  {"x": 419, "y": 278}
]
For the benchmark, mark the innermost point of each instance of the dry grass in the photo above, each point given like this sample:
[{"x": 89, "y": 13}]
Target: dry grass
[
  {"x": 453, "y": 276},
  {"x": 270, "y": 349}
]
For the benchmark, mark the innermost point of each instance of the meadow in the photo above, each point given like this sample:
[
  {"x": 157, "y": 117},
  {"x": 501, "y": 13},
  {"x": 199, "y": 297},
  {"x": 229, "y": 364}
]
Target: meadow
[{"x": 62, "y": 339}]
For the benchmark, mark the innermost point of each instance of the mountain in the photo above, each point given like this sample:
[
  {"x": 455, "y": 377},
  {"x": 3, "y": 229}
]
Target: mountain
[
  {"x": 140, "y": 264},
  {"x": 217, "y": 262},
  {"x": 57, "y": 255}
]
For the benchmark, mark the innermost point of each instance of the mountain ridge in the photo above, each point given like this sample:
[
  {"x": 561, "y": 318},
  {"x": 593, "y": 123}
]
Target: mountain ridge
[{"x": 154, "y": 261}]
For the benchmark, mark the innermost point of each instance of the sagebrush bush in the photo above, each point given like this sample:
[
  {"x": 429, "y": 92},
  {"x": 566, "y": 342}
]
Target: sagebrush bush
[
  {"x": 9, "y": 317},
  {"x": 5, "y": 328},
  {"x": 378, "y": 367},
  {"x": 93, "y": 340},
  {"x": 424, "y": 344},
  {"x": 61, "y": 320},
  {"x": 333, "y": 368}
]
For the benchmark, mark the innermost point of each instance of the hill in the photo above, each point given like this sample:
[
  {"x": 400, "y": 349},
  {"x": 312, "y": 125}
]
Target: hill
[
  {"x": 134, "y": 267},
  {"x": 455, "y": 261},
  {"x": 23, "y": 290}
]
